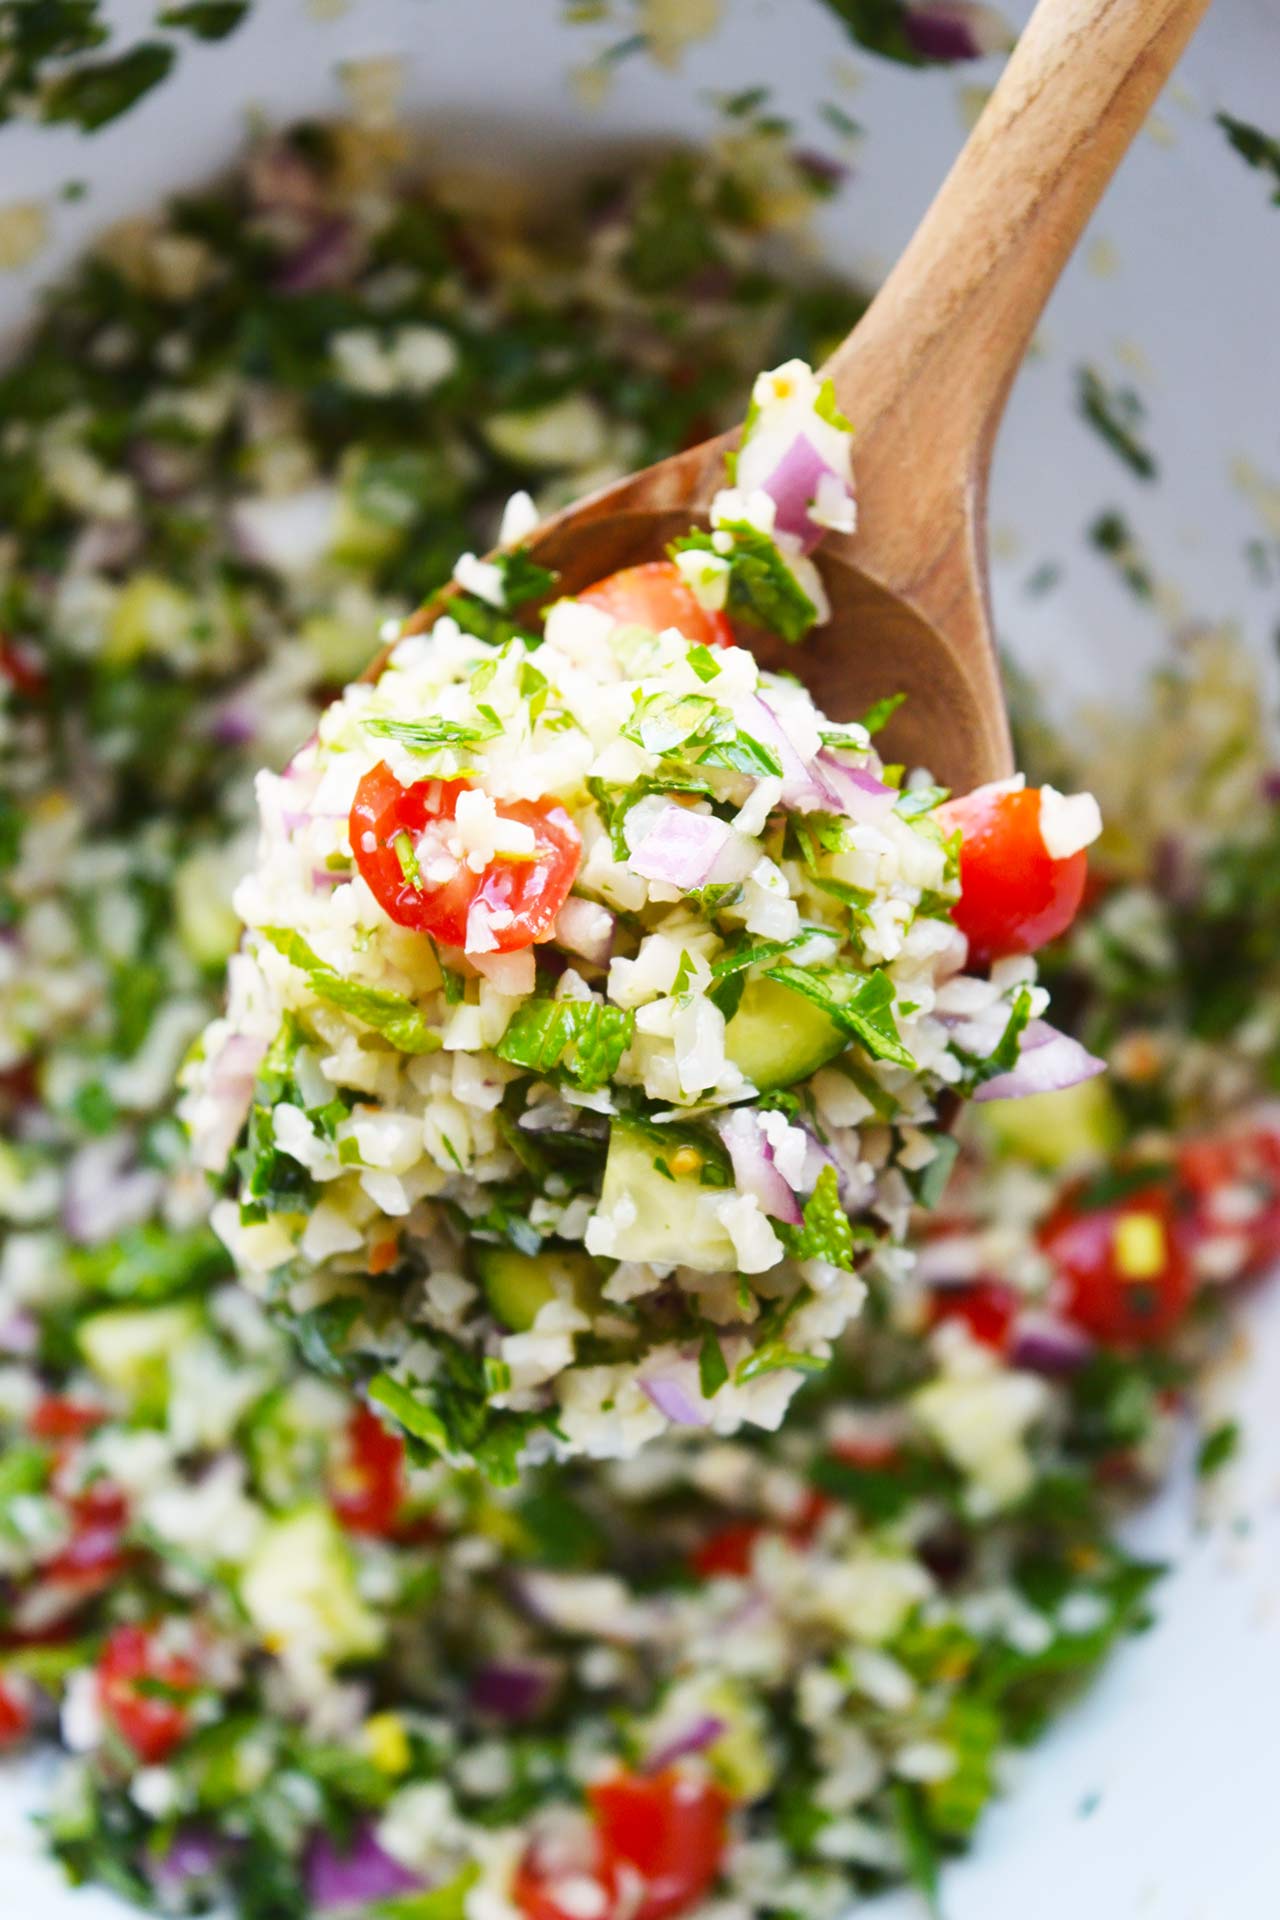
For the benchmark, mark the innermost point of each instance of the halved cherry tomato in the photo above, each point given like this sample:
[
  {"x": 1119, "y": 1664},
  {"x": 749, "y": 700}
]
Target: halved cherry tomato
[
  {"x": 659, "y": 1843},
  {"x": 145, "y": 1692},
  {"x": 424, "y": 887},
  {"x": 1124, "y": 1274},
  {"x": 59, "y": 1417},
  {"x": 22, "y": 667},
  {"x": 368, "y": 1489},
  {"x": 669, "y": 1828},
  {"x": 1014, "y": 896},
  {"x": 1232, "y": 1189},
  {"x": 987, "y": 1308},
  {"x": 96, "y": 1554},
  {"x": 727, "y": 1553},
  {"x": 15, "y": 1715},
  {"x": 657, "y": 595}
]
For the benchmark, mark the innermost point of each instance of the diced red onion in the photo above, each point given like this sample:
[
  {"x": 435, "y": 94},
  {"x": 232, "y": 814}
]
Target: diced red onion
[
  {"x": 105, "y": 545},
  {"x": 701, "y": 1735},
  {"x": 859, "y": 793},
  {"x": 1271, "y": 785},
  {"x": 586, "y": 928},
  {"x": 803, "y": 787},
  {"x": 674, "y": 1401},
  {"x": 103, "y": 1195},
  {"x": 280, "y": 176},
  {"x": 287, "y": 535},
  {"x": 328, "y": 877},
  {"x": 754, "y": 1171},
  {"x": 231, "y": 1078},
  {"x": 351, "y": 1879},
  {"x": 331, "y": 256},
  {"x": 1044, "y": 1344},
  {"x": 20, "y": 1335},
  {"x": 515, "y": 1690},
  {"x": 237, "y": 1063},
  {"x": 233, "y": 724},
  {"x": 681, "y": 847},
  {"x": 946, "y": 31},
  {"x": 1048, "y": 1061},
  {"x": 193, "y": 1854},
  {"x": 793, "y": 485}
]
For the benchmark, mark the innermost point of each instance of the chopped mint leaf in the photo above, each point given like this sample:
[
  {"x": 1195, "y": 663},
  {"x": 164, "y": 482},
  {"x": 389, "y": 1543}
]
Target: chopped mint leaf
[
  {"x": 93, "y": 95},
  {"x": 713, "y": 1369},
  {"x": 1220, "y": 1444},
  {"x": 664, "y": 721},
  {"x": 882, "y": 712},
  {"x": 825, "y": 407},
  {"x": 580, "y": 1037},
  {"x": 522, "y": 578},
  {"x": 826, "y": 1232},
  {"x": 1003, "y": 1057},
  {"x": 427, "y": 736},
  {"x": 919, "y": 1849},
  {"x": 447, "y": 1902},
  {"x": 1111, "y": 534},
  {"x": 861, "y": 1003},
  {"x": 929, "y": 1183},
  {"x": 763, "y": 589},
  {"x": 1259, "y": 149},
  {"x": 704, "y": 663},
  {"x": 411, "y": 1413},
  {"x": 1117, "y": 414},
  {"x": 917, "y": 801},
  {"x": 390, "y": 1014},
  {"x": 207, "y": 19}
]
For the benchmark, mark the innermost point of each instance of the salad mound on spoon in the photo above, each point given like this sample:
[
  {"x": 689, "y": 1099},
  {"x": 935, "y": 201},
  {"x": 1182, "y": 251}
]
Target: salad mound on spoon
[{"x": 600, "y": 995}]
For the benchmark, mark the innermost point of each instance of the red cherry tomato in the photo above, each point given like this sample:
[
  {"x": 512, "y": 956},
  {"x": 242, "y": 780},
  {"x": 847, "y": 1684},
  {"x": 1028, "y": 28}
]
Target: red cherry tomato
[
  {"x": 727, "y": 1553},
  {"x": 96, "y": 1554},
  {"x": 987, "y": 1308},
  {"x": 667, "y": 1827},
  {"x": 1232, "y": 1189},
  {"x": 521, "y": 897},
  {"x": 1124, "y": 1274},
  {"x": 59, "y": 1417},
  {"x": 22, "y": 667},
  {"x": 657, "y": 595},
  {"x": 15, "y": 1715},
  {"x": 658, "y": 1846},
  {"x": 368, "y": 1489},
  {"x": 137, "y": 1685},
  {"x": 1014, "y": 896}
]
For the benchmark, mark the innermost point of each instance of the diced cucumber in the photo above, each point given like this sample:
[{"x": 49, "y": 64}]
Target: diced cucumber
[
  {"x": 778, "y": 1037},
  {"x": 300, "y": 1590},
  {"x": 657, "y": 1212},
  {"x": 131, "y": 1347},
  {"x": 519, "y": 1285},
  {"x": 1055, "y": 1130}
]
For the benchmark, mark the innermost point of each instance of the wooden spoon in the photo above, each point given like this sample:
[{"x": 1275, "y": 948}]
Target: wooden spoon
[{"x": 924, "y": 377}]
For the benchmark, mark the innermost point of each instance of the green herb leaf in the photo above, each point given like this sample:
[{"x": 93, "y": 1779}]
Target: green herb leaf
[
  {"x": 427, "y": 736},
  {"x": 826, "y": 1233},
  {"x": 579, "y": 1037},
  {"x": 207, "y": 19},
  {"x": 1260, "y": 149},
  {"x": 763, "y": 589},
  {"x": 390, "y": 1014},
  {"x": 713, "y": 1369},
  {"x": 1117, "y": 414},
  {"x": 411, "y": 1413},
  {"x": 860, "y": 1003},
  {"x": 1220, "y": 1445},
  {"x": 93, "y": 95}
]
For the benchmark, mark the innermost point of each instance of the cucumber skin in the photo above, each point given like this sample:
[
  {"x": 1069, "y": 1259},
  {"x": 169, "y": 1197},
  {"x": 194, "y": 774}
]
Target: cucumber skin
[
  {"x": 777, "y": 1037},
  {"x": 518, "y": 1285}
]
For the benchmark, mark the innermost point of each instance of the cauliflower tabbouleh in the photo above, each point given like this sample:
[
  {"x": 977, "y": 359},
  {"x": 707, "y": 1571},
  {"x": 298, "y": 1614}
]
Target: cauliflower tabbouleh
[
  {"x": 599, "y": 992},
  {"x": 293, "y": 1672}
]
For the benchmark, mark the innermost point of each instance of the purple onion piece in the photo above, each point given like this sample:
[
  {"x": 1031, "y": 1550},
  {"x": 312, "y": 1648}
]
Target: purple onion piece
[
  {"x": 351, "y": 1878},
  {"x": 515, "y": 1690},
  {"x": 947, "y": 31},
  {"x": 793, "y": 487},
  {"x": 103, "y": 1194},
  {"x": 331, "y": 256},
  {"x": 702, "y": 1734},
  {"x": 754, "y": 1171},
  {"x": 1044, "y": 1344},
  {"x": 860, "y": 794},
  {"x": 194, "y": 1854},
  {"x": 674, "y": 1402},
  {"x": 586, "y": 928},
  {"x": 680, "y": 848},
  {"x": 1048, "y": 1062}
]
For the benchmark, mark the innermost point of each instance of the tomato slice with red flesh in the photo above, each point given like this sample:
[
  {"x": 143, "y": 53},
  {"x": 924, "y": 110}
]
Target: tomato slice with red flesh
[
  {"x": 669, "y": 1828},
  {"x": 145, "y": 1691},
  {"x": 657, "y": 595},
  {"x": 1231, "y": 1187},
  {"x": 15, "y": 1715},
  {"x": 987, "y": 1308},
  {"x": 59, "y": 1417},
  {"x": 401, "y": 838},
  {"x": 1014, "y": 896},
  {"x": 23, "y": 668},
  {"x": 368, "y": 1489},
  {"x": 1122, "y": 1269},
  {"x": 659, "y": 1843}
]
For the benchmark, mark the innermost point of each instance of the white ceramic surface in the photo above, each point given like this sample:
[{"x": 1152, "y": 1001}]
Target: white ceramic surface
[{"x": 1156, "y": 1798}]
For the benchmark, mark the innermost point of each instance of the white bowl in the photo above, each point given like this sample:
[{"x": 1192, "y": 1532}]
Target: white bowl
[{"x": 1155, "y": 1797}]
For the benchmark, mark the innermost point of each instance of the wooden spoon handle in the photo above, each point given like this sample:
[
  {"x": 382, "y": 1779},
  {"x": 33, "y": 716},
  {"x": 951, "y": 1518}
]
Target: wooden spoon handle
[{"x": 925, "y": 375}]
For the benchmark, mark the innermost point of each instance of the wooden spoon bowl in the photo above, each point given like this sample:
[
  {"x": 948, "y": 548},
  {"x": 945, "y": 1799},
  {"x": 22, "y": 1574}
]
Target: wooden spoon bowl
[{"x": 924, "y": 377}]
